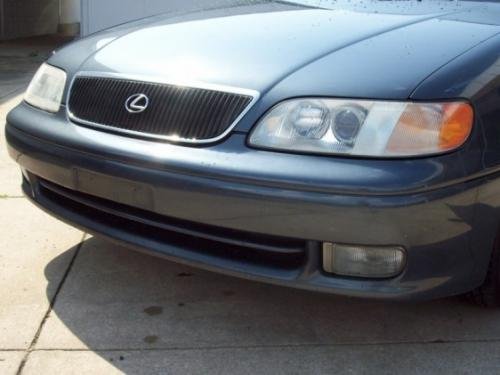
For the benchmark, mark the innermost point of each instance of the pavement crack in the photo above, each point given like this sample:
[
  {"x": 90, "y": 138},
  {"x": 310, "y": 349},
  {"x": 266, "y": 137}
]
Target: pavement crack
[
  {"x": 275, "y": 346},
  {"x": 31, "y": 348}
]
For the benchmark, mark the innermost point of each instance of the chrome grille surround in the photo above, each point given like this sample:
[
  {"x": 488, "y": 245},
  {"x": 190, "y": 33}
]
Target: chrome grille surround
[{"x": 251, "y": 94}]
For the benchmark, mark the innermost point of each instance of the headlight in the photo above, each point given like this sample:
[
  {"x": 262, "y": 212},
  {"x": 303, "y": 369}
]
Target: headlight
[
  {"x": 46, "y": 89},
  {"x": 363, "y": 127}
]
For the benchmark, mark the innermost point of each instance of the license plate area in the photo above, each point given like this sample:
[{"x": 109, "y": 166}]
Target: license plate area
[{"x": 114, "y": 188}]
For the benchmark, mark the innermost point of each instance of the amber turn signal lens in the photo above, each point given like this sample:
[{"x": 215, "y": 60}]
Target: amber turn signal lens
[
  {"x": 427, "y": 128},
  {"x": 457, "y": 125}
]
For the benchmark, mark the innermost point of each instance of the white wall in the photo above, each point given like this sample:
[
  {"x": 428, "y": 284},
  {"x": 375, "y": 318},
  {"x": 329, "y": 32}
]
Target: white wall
[{"x": 70, "y": 11}]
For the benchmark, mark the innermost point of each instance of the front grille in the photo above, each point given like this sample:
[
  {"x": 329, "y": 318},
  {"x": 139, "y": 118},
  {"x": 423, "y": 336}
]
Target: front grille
[
  {"x": 174, "y": 112},
  {"x": 247, "y": 247}
]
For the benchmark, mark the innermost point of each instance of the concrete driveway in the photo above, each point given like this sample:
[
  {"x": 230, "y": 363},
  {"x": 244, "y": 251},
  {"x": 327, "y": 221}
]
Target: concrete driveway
[{"x": 70, "y": 303}]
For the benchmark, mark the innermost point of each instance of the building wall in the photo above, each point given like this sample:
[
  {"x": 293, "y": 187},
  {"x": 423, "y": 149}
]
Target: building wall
[
  {"x": 21, "y": 18},
  {"x": 1, "y": 19},
  {"x": 70, "y": 11},
  {"x": 69, "y": 17}
]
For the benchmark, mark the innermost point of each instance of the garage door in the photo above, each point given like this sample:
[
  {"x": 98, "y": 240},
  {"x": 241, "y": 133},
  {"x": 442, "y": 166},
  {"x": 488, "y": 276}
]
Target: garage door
[{"x": 21, "y": 18}]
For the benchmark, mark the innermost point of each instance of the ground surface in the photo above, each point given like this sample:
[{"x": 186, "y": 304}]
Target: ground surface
[{"x": 70, "y": 303}]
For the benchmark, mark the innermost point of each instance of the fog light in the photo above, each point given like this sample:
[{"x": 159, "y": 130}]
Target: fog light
[{"x": 363, "y": 261}]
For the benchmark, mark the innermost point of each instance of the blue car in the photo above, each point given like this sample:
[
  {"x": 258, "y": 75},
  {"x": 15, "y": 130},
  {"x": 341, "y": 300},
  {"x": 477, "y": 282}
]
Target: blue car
[{"x": 348, "y": 148}]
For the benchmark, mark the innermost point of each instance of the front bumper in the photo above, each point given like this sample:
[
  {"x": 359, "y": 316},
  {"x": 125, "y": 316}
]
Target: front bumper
[{"x": 93, "y": 180}]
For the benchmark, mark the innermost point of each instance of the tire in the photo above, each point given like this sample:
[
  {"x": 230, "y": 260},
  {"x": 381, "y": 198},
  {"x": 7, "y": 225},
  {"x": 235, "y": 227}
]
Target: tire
[{"x": 488, "y": 294}]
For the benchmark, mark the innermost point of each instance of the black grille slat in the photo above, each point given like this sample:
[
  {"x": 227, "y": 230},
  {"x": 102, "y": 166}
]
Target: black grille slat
[{"x": 185, "y": 112}]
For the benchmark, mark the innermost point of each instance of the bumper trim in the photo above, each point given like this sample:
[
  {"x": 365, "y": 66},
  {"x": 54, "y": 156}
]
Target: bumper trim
[
  {"x": 440, "y": 259},
  {"x": 138, "y": 236},
  {"x": 306, "y": 275}
]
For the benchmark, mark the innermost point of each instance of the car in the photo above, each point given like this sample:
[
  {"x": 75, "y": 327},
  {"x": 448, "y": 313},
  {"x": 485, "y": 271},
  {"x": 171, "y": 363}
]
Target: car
[{"x": 347, "y": 148}]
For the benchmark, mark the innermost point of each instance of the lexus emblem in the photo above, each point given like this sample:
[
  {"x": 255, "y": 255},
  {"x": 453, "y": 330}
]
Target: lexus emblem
[{"x": 137, "y": 103}]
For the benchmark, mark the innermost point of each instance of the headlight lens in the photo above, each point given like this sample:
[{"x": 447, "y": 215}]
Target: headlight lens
[
  {"x": 364, "y": 128},
  {"x": 46, "y": 89}
]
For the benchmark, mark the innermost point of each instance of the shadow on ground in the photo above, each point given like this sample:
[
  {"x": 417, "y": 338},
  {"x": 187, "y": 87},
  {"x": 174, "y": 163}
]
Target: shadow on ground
[{"x": 116, "y": 301}]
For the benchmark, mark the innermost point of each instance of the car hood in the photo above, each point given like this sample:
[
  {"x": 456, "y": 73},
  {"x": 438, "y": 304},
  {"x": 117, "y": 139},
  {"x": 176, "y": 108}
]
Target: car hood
[{"x": 298, "y": 50}]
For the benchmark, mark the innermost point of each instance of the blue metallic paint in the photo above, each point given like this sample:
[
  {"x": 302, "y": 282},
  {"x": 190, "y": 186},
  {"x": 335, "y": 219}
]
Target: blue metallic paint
[{"x": 443, "y": 209}]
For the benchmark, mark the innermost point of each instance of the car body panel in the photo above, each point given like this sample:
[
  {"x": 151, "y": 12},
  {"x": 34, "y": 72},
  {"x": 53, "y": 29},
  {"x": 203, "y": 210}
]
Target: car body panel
[
  {"x": 435, "y": 227},
  {"x": 443, "y": 209},
  {"x": 204, "y": 50},
  {"x": 73, "y": 55},
  {"x": 476, "y": 76},
  {"x": 317, "y": 51}
]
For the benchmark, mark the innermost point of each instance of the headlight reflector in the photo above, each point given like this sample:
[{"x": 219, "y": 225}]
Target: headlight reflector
[
  {"x": 46, "y": 88},
  {"x": 309, "y": 120},
  {"x": 364, "y": 128},
  {"x": 347, "y": 123}
]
